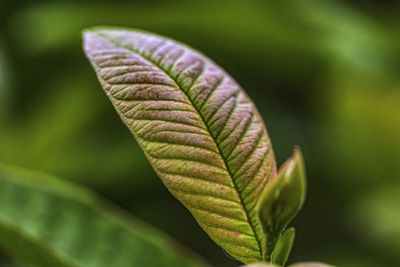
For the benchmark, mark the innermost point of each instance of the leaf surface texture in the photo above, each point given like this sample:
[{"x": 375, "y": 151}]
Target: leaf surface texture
[{"x": 198, "y": 128}]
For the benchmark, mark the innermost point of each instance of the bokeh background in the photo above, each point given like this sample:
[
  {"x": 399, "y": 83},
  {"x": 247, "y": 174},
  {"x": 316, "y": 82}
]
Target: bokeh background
[{"x": 324, "y": 74}]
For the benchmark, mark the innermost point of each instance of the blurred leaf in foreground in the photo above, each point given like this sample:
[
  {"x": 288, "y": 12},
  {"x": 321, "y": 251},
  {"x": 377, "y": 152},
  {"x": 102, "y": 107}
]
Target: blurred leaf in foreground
[{"x": 50, "y": 222}]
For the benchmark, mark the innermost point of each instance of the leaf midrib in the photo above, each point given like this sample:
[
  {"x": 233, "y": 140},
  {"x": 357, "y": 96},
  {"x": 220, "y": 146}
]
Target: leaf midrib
[{"x": 116, "y": 42}]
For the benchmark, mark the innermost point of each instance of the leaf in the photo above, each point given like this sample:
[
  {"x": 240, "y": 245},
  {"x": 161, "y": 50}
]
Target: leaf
[
  {"x": 282, "y": 199},
  {"x": 283, "y": 247},
  {"x": 198, "y": 128},
  {"x": 45, "y": 221}
]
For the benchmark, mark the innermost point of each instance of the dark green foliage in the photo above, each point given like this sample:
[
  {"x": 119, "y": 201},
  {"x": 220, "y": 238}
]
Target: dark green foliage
[{"x": 50, "y": 222}]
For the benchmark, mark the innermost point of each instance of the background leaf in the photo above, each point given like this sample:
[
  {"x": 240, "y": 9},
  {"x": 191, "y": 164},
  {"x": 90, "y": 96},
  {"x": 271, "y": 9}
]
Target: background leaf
[
  {"x": 50, "y": 222},
  {"x": 199, "y": 130}
]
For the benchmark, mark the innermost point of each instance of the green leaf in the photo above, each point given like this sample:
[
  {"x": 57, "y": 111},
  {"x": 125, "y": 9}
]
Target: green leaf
[
  {"x": 198, "y": 128},
  {"x": 283, "y": 246},
  {"x": 282, "y": 199},
  {"x": 45, "y": 221}
]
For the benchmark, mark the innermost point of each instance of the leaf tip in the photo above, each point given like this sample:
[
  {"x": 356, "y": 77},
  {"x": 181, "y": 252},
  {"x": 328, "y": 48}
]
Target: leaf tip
[
  {"x": 280, "y": 202},
  {"x": 284, "y": 196}
]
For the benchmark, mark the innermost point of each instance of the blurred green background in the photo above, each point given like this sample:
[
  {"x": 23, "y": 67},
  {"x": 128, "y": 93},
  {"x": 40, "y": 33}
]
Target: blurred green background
[{"x": 324, "y": 74}]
